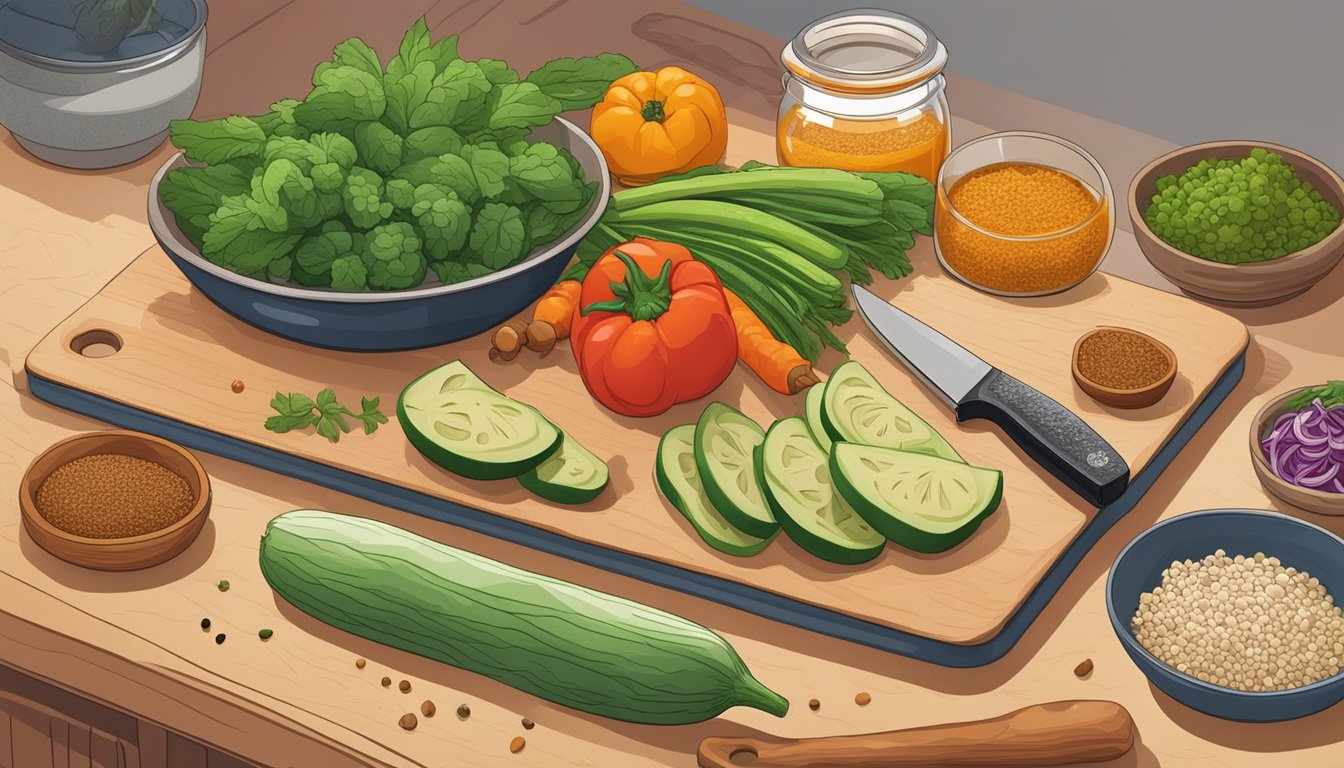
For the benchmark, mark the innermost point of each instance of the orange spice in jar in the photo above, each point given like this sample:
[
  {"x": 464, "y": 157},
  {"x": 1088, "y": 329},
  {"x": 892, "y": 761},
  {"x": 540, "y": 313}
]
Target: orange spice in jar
[
  {"x": 1022, "y": 227},
  {"x": 864, "y": 91}
]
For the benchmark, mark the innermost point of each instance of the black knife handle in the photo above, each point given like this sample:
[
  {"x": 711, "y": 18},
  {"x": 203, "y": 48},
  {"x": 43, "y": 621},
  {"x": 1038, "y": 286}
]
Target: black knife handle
[{"x": 1051, "y": 434}]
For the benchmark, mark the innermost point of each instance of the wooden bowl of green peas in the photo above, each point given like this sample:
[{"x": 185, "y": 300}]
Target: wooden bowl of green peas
[{"x": 1239, "y": 223}]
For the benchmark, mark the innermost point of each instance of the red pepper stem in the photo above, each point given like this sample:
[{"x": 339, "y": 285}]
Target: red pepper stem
[{"x": 640, "y": 296}]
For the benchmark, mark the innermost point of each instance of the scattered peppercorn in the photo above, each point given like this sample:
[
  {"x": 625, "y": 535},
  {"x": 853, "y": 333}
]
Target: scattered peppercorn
[
  {"x": 219, "y": 639},
  {"x": 387, "y": 682},
  {"x": 111, "y": 496},
  {"x": 359, "y": 663},
  {"x": 1239, "y": 211},
  {"x": 223, "y": 585},
  {"x": 408, "y": 721},
  {"x": 405, "y": 686},
  {"x": 205, "y": 624},
  {"x": 1121, "y": 359},
  {"x": 1084, "y": 668},
  {"x": 517, "y": 744},
  {"x": 236, "y": 386},
  {"x": 265, "y": 634},
  {"x": 464, "y": 711},
  {"x": 528, "y": 724},
  {"x": 862, "y": 699},
  {"x": 428, "y": 709},
  {"x": 814, "y": 705}
]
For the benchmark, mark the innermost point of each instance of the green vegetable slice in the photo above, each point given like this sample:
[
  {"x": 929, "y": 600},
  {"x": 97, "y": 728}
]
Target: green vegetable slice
[
  {"x": 571, "y": 475},
  {"x": 857, "y": 409},
  {"x": 725, "y": 452},
  {"x": 471, "y": 430},
  {"x": 679, "y": 480},
  {"x": 816, "y": 396},
  {"x": 793, "y": 472},
  {"x": 925, "y": 503}
]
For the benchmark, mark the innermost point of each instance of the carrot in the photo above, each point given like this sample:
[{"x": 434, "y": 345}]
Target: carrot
[
  {"x": 778, "y": 364},
  {"x": 551, "y": 320}
]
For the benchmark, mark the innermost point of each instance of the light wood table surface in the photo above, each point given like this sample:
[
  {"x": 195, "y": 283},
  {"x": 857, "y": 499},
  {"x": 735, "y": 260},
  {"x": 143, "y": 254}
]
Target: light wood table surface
[{"x": 133, "y": 641}]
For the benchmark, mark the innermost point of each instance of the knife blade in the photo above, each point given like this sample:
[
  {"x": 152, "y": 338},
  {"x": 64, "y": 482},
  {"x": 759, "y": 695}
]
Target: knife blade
[{"x": 1052, "y": 435}]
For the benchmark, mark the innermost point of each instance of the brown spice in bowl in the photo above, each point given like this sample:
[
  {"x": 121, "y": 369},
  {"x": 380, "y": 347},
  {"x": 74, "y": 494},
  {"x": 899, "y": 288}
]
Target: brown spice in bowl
[
  {"x": 111, "y": 496},
  {"x": 1121, "y": 360}
]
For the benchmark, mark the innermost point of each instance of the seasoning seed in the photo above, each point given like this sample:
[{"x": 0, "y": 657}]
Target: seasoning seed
[
  {"x": 528, "y": 724},
  {"x": 428, "y": 709},
  {"x": 405, "y": 686},
  {"x": 236, "y": 386},
  {"x": 814, "y": 705},
  {"x": 1248, "y": 623},
  {"x": 408, "y": 721},
  {"x": 205, "y": 624},
  {"x": 223, "y": 585},
  {"x": 387, "y": 682},
  {"x": 862, "y": 699},
  {"x": 111, "y": 496},
  {"x": 265, "y": 634},
  {"x": 219, "y": 639},
  {"x": 1121, "y": 360},
  {"x": 464, "y": 711},
  {"x": 517, "y": 744},
  {"x": 1083, "y": 669},
  {"x": 359, "y": 663}
]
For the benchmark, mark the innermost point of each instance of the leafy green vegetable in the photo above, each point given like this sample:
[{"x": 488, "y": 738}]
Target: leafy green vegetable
[
  {"x": 580, "y": 83},
  {"x": 1330, "y": 394},
  {"x": 218, "y": 141},
  {"x": 386, "y": 172},
  {"x": 296, "y": 411}
]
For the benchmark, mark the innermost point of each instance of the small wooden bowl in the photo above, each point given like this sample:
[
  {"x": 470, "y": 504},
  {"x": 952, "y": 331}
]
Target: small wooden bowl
[
  {"x": 1125, "y": 398},
  {"x": 132, "y": 552},
  {"x": 1255, "y": 284},
  {"x": 1320, "y": 502}
]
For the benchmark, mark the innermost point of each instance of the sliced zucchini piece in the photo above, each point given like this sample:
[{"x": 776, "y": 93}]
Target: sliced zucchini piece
[
  {"x": 856, "y": 409},
  {"x": 796, "y": 479},
  {"x": 679, "y": 479},
  {"x": 474, "y": 432},
  {"x": 725, "y": 452},
  {"x": 571, "y": 475},
  {"x": 816, "y": 396},
  {"x": 924, "y": 503}
]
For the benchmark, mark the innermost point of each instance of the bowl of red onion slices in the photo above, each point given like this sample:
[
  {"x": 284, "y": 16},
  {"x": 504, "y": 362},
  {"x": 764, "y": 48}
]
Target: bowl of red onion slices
[{"x": 1297, "y": 448}]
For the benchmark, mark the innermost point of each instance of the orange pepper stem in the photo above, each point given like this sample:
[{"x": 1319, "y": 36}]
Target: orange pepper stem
[
  {"x": 653, "y": 111},
  {"x": 640, "y": 296}
]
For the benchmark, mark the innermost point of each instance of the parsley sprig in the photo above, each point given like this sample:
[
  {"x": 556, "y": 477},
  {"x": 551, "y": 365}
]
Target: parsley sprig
[{"x": 325, "y": 413}]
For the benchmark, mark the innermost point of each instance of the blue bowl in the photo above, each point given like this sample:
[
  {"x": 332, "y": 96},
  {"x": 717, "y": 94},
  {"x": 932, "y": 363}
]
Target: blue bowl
[
  {"x": 393, "y": 320},
  {"x": 1239, "y": 532}
]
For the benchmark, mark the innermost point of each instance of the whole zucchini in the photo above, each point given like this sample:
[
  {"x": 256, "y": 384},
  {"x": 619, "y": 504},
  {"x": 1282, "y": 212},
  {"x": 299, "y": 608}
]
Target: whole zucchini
[{"x": 588, "y": 650}]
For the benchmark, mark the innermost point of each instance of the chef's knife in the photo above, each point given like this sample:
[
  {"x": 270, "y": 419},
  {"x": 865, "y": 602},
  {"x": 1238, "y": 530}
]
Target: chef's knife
[{"x": 1050, "y": 433}]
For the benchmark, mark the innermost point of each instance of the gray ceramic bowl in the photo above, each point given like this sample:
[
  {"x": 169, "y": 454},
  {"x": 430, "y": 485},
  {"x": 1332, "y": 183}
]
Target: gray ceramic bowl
[
  {"x": 84, "y": 100},
  {"x": 393, "y": 320},
  {"x": 1240, "y": 532}
]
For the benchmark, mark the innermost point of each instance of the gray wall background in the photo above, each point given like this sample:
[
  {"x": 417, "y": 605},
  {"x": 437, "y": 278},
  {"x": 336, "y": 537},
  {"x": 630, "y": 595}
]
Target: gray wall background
[{"x": 1182, "y": 70}]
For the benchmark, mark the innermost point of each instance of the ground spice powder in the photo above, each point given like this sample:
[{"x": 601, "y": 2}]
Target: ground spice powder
[
  {"x": 1068, "y": 223},
  {"x": 917, "y": 146},
  {"x": 1121, "y": 360},
  {"x": 111, "y": 496}
]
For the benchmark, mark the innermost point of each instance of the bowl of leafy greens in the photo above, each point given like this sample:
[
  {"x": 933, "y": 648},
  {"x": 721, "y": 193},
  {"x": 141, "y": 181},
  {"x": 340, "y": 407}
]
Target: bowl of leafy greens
[{"x": 396, "y": 206}]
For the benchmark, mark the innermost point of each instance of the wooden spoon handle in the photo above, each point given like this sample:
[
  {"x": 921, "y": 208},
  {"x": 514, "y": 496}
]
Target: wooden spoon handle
[{"x": 1044, "y": 734}]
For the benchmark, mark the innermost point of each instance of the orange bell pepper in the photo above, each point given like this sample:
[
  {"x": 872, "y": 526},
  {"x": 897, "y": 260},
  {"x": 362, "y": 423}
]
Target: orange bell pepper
[
  {"x": 653, "y": 124},
  {"x": 653, "y": 329}
]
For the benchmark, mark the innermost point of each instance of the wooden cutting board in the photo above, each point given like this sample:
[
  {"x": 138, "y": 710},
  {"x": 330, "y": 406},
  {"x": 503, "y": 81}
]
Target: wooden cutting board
[{"x": 179, "y": 354}]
